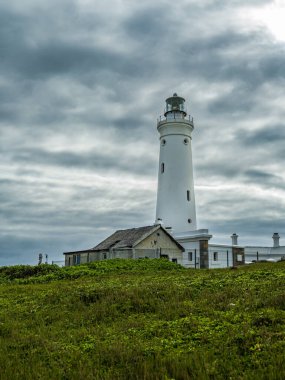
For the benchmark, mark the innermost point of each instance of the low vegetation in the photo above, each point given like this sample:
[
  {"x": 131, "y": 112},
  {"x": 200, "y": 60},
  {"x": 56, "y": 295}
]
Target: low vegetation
[{"x": 142, "y": 319}]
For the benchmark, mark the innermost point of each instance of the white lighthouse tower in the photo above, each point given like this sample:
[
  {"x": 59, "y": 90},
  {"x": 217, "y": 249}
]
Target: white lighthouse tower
[
  {"x": 175, "y": 207},
  {"x": 175, "y": 196}
]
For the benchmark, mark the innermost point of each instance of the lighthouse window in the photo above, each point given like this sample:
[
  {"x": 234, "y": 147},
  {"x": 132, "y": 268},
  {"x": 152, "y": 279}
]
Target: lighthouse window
[
  {"x": 189, "y": 220},
  {"x": 186, "y": 141},
  {"x": 188, "y": 195},
  {"x": 163, "y": 142},
  {"x": 162, "y": 167}
]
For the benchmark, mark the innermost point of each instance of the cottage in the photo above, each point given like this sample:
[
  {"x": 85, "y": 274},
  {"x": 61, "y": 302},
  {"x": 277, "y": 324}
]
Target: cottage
[{"x": 134, "y": 243}]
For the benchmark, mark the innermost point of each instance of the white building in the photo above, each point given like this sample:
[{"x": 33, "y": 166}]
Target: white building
[
  {"x": 175, "y": 208},
  {"x": 175, "y": 195},
  {"x": 258, "y": 253}
]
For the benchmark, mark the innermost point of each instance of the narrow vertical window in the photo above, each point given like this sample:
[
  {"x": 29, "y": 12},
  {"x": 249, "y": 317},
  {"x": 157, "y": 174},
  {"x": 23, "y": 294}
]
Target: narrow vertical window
[
  {"x": 188, "y": 195},
  {"x": 215, "y": 256},
  {"x": 162, "y": 167},
  {"x": 190, "y": 256}
]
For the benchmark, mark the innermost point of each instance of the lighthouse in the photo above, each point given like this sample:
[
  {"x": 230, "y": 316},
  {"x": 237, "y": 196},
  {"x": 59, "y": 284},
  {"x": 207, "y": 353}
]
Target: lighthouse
[{"x": 175, "y": 206}]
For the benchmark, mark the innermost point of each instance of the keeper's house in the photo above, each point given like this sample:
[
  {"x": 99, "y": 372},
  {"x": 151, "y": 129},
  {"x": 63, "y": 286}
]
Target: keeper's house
[{"x": 135, "y": 243}]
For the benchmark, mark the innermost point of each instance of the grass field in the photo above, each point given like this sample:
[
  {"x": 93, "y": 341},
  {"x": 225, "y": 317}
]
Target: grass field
[{"x": 142, "y": 319}]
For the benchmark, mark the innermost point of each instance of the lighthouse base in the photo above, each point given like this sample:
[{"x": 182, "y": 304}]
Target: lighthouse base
[{"x": 196, "y": 247}]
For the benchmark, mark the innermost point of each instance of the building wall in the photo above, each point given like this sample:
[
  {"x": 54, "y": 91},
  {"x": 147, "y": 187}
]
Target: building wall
[
  {"x": 120, "y": 254},
  {"x": 162, "y": 245},
  {"x": 192, "y": 251},
  {"x": 220, "y": 256},
  {"x": 217, "y": 256},
  {"x": 264, "y": 253},
  {"x": 146, "y": 253},
  {"x": 158, "y": 239},
  {"x": 75, "y": 259}
]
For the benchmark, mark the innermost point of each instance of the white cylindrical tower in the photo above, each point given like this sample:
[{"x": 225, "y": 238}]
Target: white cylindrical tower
[
  {"x": 175, "y": 196},
  {"x": 234, "y": 239},
  {"x": 276, "y": 238}
]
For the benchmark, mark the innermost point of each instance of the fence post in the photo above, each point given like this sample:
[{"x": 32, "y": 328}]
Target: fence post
[
  {"x": 227, "y": 258},
  {"x": 257, "y": 256}
]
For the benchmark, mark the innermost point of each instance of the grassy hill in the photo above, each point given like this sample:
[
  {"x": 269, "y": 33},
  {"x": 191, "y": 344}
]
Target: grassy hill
[{"x": 142, "y": 319}]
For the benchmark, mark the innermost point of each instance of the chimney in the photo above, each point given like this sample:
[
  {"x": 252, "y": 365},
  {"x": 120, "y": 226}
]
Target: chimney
[
  {"x": 234, "y": 239},
  {"x": 275, "y": 238}
]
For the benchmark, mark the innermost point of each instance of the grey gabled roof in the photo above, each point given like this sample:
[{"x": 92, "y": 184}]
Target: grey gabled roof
[
  {"x": 130, "y": 238},
  {"x": 125, "y": 238}
]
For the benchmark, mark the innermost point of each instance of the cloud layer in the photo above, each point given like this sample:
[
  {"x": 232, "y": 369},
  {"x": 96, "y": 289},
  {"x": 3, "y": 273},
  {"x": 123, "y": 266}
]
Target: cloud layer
[{"x": 81, "y": 87}]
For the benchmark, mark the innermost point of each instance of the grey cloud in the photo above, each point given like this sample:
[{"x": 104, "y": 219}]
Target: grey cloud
[
  {"x": 261, "y": 175},
  {"x": 239, "y": 100},
  {"x": 89, "y": 160},
  {"x": 270, "y": 134},
  {"x": 149, "y": 24},
  {"x": 216, "y": 4},
  {"x": 62, "y": 58},
  {"x": 207, "y": 58}
]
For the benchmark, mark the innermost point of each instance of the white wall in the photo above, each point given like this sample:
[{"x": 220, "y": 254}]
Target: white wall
[
  {"x": 222, "y": 252},
  {"x": 173, "y": 206},
  {"x": 264, "y": 253}
]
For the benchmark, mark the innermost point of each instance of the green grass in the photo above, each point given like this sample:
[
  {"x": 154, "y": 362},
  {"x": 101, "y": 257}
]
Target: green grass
[{"x": 142, "y": 319}]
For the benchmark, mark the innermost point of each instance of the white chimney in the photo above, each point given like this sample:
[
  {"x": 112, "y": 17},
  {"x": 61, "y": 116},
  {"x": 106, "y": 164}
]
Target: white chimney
[
  {"x": 275, "y": 238},
  {"x": 234, "y": 239}
]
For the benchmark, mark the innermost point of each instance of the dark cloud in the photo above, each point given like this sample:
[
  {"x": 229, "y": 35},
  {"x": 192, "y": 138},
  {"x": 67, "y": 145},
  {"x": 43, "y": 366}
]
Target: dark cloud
[
  {"x": 257, "y": 175},
  {"x": 94, "y": 160},
  {"x": 270, "y": 134}
]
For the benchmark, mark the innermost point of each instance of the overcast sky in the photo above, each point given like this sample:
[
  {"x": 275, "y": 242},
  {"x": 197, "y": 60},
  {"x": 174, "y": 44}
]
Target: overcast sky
[{"x": 82, "y": 84}]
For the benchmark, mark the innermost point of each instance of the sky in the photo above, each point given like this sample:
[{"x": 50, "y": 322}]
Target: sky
[{"x": 82, "y": 83}]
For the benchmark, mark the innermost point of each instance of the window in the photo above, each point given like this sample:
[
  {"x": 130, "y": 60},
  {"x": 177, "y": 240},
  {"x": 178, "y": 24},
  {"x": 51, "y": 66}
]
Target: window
[
  {"x": 190, "y": 256},
  {"x": 162, "y": 167},
  {"x": 104, "y": 256},
  {"x": 215, "y": 256},
  {"x": 76, "y": 259},
  {"x": 186, "y": 141},
  {"x": 174, "y": 261},
  {"x": 163, "y": 142},
  {"x": 189, "y": 220},
  {"x": 188, "y": 195}
]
